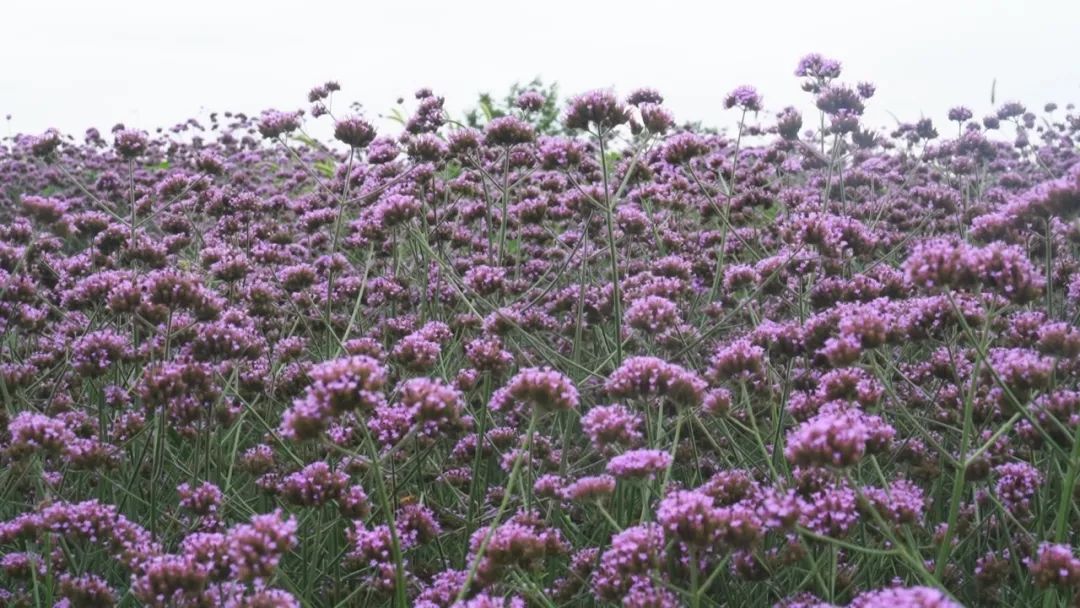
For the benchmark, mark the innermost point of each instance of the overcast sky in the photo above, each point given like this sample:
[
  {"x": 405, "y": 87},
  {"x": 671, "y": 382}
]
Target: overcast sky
[{"x": 73, "y": 64}]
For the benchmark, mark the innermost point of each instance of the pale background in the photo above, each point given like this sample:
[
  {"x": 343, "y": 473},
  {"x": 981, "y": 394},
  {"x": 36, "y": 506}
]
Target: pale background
[{"x": 74, "y": 64}]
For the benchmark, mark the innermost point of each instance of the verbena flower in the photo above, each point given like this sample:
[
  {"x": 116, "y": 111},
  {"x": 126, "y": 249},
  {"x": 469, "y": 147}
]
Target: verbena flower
[
  {"x": 274, "y": 124},
  {"x": 354, "y": 132},
  {"x": 589, "y": 488},
  {"x": 745, "y": 98},
  {"x": 508, "y": 131},
  {"x": 635, "y": 551},
  {"x": 599, "y": 110},
  {"x": 1055, "y": 565},
  {"x": 540, "y": 388},
  {"x": 642, "y": 377},
  {"x": 639, "y": 464}
]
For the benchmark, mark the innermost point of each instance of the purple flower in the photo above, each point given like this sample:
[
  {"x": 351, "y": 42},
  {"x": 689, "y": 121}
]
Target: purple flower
[
  {"x": 634, "y": 551},
  {"x": 788, "y": 123},
  {"x": 656, "y": 118},
  {"x": 31, "y": 432},
  {"x": 314, "y": 485},
  {"x": 337, "y": 386},
  {"x": 542, "y": 388},
  {"x": 909, "y": 597},
  {"x": 354, "y": 132},
  {"x": 485, "y": 280},
  {"x": 508, "y": 131},
  {"x": 639, "y": 464},
  {"x": 1055, "y": 565},
  {"x": 256, "y": 548},
  {"x": 816, "y": 66},
  {"x": 643, "y": 377},
  {"x": 202, "y": 500},
  {"x": 530, "y": 101},
  {"x": 86, "y": 590},
  {"x": 433, "y": 403},
  {"x": 682, "y": 147},
  {"x": 960, "y": 114},
  {"x": 608, "y": 426},
  {"x": 589, "y": 488},
  {"x": 1016, "y": 486},
  {"x": 740, "y": 359},
  {"x": 652, "y": 314},
  {"x": 690, "y": 517},
  {"x": 168, "y": 580},
  {"x": 524, "y": 541},
  {"x": 837, "y": 99},
  {"x": 46, "y": 144},
  {"x": 832, "y": 511},
  {"x": 130, "y": 143},
  {"x": 903, "y": 502},
  {"x": 745, "y": 98},
  {"x": 273, "y": 124},
  {"x": 44, "y": 209},
  {"x": 600, "y": 110},
  {"x": 416, "y": 353},
  {"x": 644, "y": 593},
  {"x": 644, "y": 95},
  {"x": 833, "y": 438}
]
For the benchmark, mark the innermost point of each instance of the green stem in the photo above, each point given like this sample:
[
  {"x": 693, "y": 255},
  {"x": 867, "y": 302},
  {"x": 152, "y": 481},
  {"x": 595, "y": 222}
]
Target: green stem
[
  {"x": 514, "y": 474},
  {"x": 613, "y": 252},
  {"x": 958, "y": 482},
  {"x": 400, "y": 598},
  {"x": 695, "y": 597},
  {"x": 505, "y": 202}
]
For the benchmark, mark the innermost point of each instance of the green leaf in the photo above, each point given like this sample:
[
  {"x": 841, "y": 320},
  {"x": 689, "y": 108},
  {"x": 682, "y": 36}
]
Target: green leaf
[
  {"x": 397, "y": 116},
  {"x": 308, "y": 141},
  {"x": 452, "y": 170},
  {"x": 326, "y": 166}
]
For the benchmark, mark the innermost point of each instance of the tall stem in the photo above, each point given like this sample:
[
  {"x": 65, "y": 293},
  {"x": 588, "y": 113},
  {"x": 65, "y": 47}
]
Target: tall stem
[
  {"x": 505, "y": 202},
  {"x": 515, "y": 473},
  {"x": 695, "y": 596},
  {"x": 334, "y": 247},
  {"x": 613, "y": 252},
  {"x": 131, "y": 182},
  {"x": 400, "y": 598}
]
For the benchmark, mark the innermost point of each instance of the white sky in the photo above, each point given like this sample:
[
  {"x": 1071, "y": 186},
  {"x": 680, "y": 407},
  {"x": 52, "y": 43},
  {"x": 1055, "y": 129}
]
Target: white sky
[{"x": 72, "y": 64}]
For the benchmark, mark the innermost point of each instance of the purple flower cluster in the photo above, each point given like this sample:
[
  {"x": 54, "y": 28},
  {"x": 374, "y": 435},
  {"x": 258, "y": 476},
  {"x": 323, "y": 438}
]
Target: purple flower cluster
[
  {"x": 639, "y": 464},
  {"x": 338, "y": 386},
  {"x": 644, "y": 377},
  {"x": 541, "y": 388}
]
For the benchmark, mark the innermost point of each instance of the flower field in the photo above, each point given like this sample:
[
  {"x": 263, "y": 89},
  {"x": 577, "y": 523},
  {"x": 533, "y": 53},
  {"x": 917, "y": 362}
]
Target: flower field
[{"x": 559, "y": 353}]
